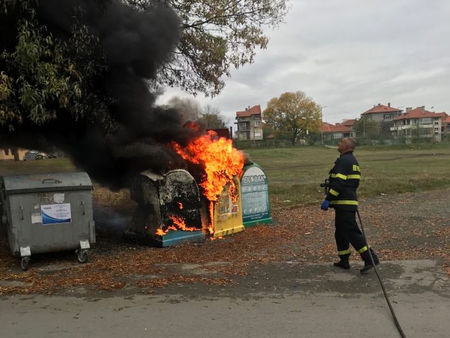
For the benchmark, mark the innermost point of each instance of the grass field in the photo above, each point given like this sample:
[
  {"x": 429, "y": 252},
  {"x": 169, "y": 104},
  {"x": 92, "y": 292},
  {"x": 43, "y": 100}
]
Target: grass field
[{"x": 294, "y": 174}]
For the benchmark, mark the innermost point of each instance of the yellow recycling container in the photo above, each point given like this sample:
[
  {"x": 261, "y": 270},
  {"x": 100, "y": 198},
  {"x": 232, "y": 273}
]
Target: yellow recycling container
[{"x": 227, "y": 218}]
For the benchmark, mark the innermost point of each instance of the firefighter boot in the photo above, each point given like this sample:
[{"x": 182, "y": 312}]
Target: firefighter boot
[
  {"x": 368, "y": 262},
  {"x": 343, "y": 263}
]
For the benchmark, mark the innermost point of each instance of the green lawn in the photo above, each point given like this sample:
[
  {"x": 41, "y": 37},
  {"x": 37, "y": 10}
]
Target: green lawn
[
  {"x": 10, "y": 167},
  {"x": 295, "y": 173}
]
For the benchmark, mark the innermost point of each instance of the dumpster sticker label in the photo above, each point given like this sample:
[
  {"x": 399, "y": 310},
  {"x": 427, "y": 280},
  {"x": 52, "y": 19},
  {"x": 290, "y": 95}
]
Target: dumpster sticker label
[
  {"x": 36, "y": 218},
  {"x": 56, "y": 213},
  {"x": 224, "y": 202},
  {"x": 226, "y": 205},
  {"x": 58, "y": 198}
]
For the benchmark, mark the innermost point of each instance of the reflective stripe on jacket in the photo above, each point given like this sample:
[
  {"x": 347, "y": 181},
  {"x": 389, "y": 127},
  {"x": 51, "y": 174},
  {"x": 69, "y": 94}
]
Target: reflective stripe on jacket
[{"x": 344, "y": 180}]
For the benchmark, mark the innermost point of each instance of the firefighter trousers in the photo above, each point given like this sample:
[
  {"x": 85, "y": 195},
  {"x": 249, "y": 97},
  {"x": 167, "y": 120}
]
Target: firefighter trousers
[{"x": 347, "y": 232}]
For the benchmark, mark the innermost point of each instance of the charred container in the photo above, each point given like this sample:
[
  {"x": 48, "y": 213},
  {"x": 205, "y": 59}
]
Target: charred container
[
  {"x": 47, "y": 213},
  {"x": 169, "y": 209}
]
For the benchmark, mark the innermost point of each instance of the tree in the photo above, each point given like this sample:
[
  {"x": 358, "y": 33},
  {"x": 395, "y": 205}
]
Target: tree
[
  {"x": 76, "y": 77},
  {"x": 386, "y": 132},
  {"x": 294, "y": 113},
  {"x": 49, "y": 66},
  {"x": 57, "y": 66},
  {"x": 368, "y": 129},
  {"x": 216, "y": 36},
  {"x": 268, "y": 132},
  {"x": 211, "y": 119},
  {"x": 76, "y": 74},
  {"x": 208, "y": 117},
  {"x": 40, "y": 75}
]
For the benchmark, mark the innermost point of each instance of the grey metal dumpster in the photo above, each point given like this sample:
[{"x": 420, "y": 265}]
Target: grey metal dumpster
[{"x": 48, "y": 213}]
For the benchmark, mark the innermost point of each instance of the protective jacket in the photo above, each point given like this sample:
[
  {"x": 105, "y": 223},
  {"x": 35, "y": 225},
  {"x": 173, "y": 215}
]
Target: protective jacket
[{"x": 344, "y": 180}]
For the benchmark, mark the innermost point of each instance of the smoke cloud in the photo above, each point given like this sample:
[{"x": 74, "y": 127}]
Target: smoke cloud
[{"x": 135, "y": 44}]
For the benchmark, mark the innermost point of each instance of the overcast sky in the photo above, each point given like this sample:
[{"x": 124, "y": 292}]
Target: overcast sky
[{"x": 348, "y": 55}]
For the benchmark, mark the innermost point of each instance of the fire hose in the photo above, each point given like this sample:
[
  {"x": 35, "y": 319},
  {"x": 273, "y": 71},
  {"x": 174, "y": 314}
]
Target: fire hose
[{"x": 396, "y": 322}]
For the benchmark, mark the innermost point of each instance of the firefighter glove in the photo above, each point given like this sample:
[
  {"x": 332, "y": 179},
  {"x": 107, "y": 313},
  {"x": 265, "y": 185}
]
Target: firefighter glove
[{"x": 325, "y": 204}]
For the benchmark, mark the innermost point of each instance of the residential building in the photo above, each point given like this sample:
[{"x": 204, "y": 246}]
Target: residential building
[
  {"x": 382, "y": 113},
  {"x": 331, "y": 133},
  {"x": 446, "y": 125},
  {"x": 349, "y": 123},
  {"x": 420, "y": 123},
  {"x": 249, "y": 124}
]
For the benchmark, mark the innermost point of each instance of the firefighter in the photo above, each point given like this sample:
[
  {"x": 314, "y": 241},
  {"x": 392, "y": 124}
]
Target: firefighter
[{"x": 341, "y": 195}]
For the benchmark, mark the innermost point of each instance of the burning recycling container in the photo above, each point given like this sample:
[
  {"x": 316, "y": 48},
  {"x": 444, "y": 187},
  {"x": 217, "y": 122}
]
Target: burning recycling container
[
  {"x": 255, "y": 196},
  {"x": 174, "y": 206},
  {"x": 169, "y": 208},
  {"x": 48, "y": 213},
  {"x": 217, "y": 165},
  {"x": 227, "y": 210}
]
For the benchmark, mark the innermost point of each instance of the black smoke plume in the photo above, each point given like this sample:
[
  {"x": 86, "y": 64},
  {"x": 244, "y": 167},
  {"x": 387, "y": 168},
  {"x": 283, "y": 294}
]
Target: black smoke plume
[{"x": 135, "y": 44}]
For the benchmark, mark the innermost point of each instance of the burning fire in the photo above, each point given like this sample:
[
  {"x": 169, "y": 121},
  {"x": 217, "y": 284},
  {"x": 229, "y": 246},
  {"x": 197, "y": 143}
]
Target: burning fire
[
  {"x": 178, "y": 224},
  {"x": 219, "y": 161}
]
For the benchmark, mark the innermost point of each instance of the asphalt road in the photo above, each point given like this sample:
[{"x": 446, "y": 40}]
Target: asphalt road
[{"x": 303, "y": 301}]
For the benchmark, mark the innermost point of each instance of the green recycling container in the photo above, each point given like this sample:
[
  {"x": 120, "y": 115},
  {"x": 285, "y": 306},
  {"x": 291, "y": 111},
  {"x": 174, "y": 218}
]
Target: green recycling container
[{"x": 255, "y": 196}]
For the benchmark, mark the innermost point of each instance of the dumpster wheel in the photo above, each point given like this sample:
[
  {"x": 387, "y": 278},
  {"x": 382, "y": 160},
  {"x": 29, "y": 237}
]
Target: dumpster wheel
[
  {"x": 25, "y": 263},
  {"x": 82, "y": 255}
]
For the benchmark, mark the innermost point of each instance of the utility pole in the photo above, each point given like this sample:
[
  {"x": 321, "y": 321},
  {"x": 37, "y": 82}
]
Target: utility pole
[{"x": 321, "y": 131}]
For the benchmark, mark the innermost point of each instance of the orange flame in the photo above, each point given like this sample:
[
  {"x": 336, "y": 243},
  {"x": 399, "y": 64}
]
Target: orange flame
[
  {"x": 218, "y": 158},
  {"x": 160, "y": 232},
  {"x": 220, "y": 163},
  {"x": 210, "y": 228},
  {"x": 178, "y": 224},
  {"x": 180, "y": 205}
]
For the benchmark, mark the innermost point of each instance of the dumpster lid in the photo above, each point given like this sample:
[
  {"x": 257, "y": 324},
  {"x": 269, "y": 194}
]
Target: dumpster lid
[
  {"x": 47, "y": 182},
  {"x": 252, "y": 169}
]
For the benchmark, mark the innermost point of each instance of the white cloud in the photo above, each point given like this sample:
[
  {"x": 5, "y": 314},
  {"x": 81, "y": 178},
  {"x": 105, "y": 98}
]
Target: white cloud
[{"x": 349, "y": 55}]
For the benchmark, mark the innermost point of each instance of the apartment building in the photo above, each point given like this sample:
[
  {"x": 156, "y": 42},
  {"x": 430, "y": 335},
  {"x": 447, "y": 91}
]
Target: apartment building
[
  {"x": 419, "y": 123},
  {"x": 446, "y": 125},
  {"x": 382, "y": 113},
  {"x": 249, "y": 124}
]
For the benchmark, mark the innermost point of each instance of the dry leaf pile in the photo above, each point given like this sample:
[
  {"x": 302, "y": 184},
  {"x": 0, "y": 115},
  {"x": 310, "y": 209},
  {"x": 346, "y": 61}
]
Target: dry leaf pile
[{"x": 399, "y": 227}]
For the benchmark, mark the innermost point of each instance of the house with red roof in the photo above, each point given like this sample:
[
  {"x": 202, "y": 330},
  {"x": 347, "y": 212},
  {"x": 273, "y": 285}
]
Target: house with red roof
[
  {"x": 249, "y": 124},
  {"x": 349, "y": 123},
  {"x": 331, "y": 133},
  {"x": 446, "y": 125},
  {"x": 382, "y": 113},
  {"x": 420, "y": 123}
]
